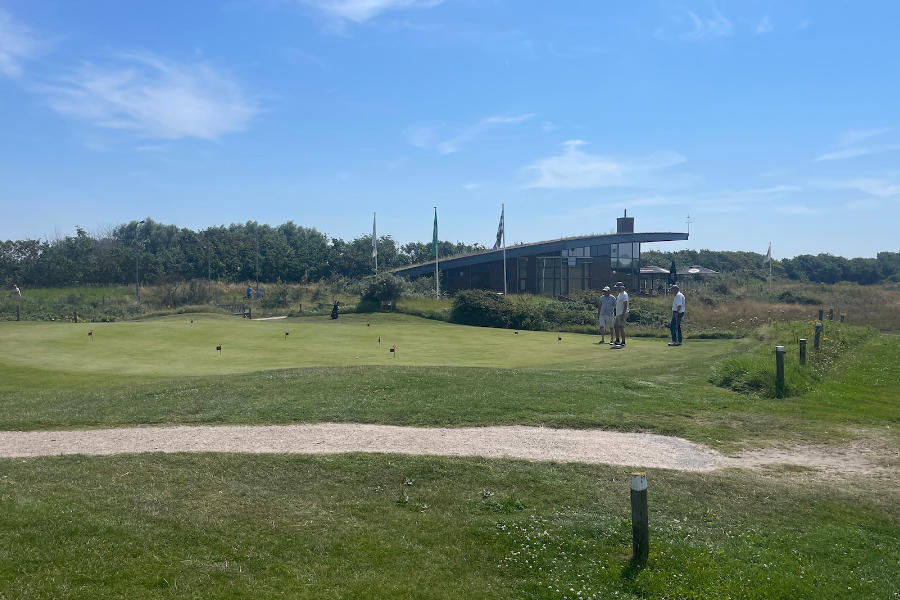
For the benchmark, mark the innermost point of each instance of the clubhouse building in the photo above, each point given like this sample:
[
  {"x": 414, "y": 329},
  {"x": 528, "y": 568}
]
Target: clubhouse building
[{"x": 552, "y": 268}]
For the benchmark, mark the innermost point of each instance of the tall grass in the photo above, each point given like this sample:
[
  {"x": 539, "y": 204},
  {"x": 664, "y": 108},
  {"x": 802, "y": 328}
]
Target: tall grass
[{"x": 754, "y": 373}]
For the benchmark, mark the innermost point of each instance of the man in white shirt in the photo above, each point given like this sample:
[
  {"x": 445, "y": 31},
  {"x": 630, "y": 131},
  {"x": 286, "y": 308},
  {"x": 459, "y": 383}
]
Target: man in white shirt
[
  {"x": 677, "y": 315},
  {"x": 606, "y": 315},
  {"x": 621, "y": 315}
]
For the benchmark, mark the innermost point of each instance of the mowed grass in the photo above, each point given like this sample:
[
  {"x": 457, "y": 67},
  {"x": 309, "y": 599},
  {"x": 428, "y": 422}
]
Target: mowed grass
[
  {"x": 381, "y": 526},
  {"x": 173, "y": 346},
  {"x": 62, "y": 380}
]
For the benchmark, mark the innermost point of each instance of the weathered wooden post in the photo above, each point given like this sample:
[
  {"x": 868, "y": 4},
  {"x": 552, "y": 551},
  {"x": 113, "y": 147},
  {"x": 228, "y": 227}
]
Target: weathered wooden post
[
  {"x": 75, "y": 315},
  {"x": 842, "y": 318},
  {"x": 821, "y": 314},
  {"x": 640, "y": 527},
  {"x": 818, "y": 337},
  {"x": 779, "y": 371},
  {"x": 831, "y": 314},
  {"x": 17, "y": 312},
  {"x": 802, "y": 351}
]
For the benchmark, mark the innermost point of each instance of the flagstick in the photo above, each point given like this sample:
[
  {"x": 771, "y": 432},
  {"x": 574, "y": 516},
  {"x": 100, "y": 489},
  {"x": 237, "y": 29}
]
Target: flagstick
[{"x": 503, "y": 218}]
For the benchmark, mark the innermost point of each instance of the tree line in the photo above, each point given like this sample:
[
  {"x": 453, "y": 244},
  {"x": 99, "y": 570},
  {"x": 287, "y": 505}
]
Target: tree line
[
  {"x": 819, "y": 268},
  {"x": 237, "y": 252},
  {"x": 292, "y": 253}
]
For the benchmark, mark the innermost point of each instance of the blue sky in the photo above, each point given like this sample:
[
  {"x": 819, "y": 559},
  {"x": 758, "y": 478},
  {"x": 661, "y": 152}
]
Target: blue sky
[{"x": 764, "y": 121}]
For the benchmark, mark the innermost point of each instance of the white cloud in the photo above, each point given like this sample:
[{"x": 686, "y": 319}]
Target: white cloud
[
  {"x": 690, "y": 26},
  {"x": 359, "y": 11},
  {"x": 880, "y": 188},
  {"x": 153, "y": 97},
  {"x": 17, "y": 45},
  {"x": 849, "y": 145},
  {"x": 764, "y": 26},
  {"x": 576, "y": 169},
  {"x": 471, "y": 186},
  {"x": 449, "y": 142}
]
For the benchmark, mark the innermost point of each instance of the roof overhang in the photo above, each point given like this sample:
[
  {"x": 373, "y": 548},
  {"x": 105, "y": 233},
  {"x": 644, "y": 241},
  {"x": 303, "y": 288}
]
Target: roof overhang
[{"x": 537, "y": 248}]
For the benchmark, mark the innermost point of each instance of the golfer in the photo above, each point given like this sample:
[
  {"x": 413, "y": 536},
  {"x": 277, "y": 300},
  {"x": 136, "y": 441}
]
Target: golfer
[
  {"x": 677, "y": 315},
  {"x": 606, "y": 315},
  {"x": 621, "y": 315},
  {"x": 16, "y": 292}
]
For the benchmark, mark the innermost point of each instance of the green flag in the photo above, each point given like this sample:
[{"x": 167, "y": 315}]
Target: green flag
[{"x": 435, "y": 242}]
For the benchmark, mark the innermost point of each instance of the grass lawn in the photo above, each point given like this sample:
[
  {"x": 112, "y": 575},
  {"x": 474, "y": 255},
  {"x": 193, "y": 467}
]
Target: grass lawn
[
  {"x": 378, "y": 526},
  {"x": 166, "y": 371}
]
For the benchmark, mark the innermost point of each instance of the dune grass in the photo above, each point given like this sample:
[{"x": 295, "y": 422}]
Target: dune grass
[{"x": 370, "y": 526}]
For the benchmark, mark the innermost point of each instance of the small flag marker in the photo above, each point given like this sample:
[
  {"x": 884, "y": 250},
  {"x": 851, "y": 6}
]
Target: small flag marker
[
  {"x": 91, "y": 334},
  {"x": 286, "y": 333},
  {"x": 219, "y": 350}
]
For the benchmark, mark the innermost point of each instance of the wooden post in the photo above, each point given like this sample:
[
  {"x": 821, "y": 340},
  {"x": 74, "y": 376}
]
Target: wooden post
[
  {"x": 17, "y": 312},
  {"x": 831, "y": 314},
  {"x": 818, "y": 335},
  {"x": 821, "y": 314},
  {"x": 640, "y": 527},
  {"x": 842, "y": 318},
  {"x": 779, "y": 371},
  {"x": 802, "y": 351},
  {"x": 75, "y": 315}
]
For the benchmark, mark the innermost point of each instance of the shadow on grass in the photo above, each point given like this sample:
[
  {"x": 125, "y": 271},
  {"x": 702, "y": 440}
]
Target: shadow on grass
[{"x": 633, "y": 568}]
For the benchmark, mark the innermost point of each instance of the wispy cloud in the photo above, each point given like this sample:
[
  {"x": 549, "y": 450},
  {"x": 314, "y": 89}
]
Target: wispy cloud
[
  {"x": 470, "y": 186},
  {"x": 576, "y": 169},
  {"x": 17, "y": 45},
  {"x": 153, "y": 97},
  {"x": 853, "y": 144},
  {"x": 690, "y": 26},
  {"x": 359, "y": 11},
  {"x": 764, "y": 26},
  {"x": 878, "y": 187},
  {"x": 447, "y": 141}
]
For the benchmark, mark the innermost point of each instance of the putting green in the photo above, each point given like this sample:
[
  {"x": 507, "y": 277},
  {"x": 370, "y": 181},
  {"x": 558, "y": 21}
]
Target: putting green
[{"x": 174, "y": 346}]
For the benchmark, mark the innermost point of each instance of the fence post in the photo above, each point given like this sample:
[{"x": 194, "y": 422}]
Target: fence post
[
  {"x": 75, "y": 315},
  {"x": 17, "y": 312},
  {"x": 821, "y": 314},
  {"x": 802, "y": 351},
  {"x": 842, "y": 318},
  {"x": 779, "y": 371},
  {"x": 640, "y": 527},
  {"x": 831, "y": 314},
  {"x": 818, "y": 335}
]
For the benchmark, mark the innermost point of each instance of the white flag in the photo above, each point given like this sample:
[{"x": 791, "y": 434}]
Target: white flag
[
  {"x": 768, "y": 257},
  {"x": 500, "y": 237}
]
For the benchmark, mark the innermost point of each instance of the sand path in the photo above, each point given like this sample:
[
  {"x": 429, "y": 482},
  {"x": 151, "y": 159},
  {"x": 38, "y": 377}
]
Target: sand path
[{"x": 531, "y": 443}]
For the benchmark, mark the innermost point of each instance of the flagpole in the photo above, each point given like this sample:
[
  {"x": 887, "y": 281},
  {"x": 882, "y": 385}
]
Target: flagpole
[
  {"x": 374, "y": 243},
  {"x": 437, "y": 278},
  {"x": 503, "y": 218},
  {"x": 770, "y": 267}
]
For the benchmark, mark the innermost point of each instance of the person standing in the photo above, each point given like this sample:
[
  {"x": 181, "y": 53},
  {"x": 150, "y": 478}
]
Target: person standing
[
  {"x": 621, "y": 315},
  {"x": 16, "y": 292},
  {"x": 677, "y": 315},
  {"x": 606, "y": 315}
]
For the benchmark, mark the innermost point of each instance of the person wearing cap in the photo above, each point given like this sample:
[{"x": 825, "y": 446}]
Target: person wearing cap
[
  {"x": 677, "y": 315},
  {"x": 621, "y": 315},
  {"x": 606, "y": 315}
]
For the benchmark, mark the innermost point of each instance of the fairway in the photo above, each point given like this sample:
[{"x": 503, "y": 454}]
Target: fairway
[{"x": 173, "y": 346}]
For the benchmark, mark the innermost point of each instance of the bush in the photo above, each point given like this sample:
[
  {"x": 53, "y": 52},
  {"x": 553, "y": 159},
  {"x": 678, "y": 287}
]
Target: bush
[
  {"x": 384, "y": 287},
  {"x": 789, "y": 297},
  {"x": 482, "y": 308}
]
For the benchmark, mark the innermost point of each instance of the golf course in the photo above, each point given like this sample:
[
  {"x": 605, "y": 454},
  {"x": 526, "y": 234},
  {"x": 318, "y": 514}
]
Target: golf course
[{"x": 236, "y": 524}]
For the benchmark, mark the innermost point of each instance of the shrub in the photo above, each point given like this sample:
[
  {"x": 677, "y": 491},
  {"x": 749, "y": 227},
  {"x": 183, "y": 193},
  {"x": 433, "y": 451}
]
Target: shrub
[{"x": 789, "y": 297}]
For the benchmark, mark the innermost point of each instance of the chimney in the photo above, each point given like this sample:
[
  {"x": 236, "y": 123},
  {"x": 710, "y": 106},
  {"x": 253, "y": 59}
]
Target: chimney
[{"x": 625, "y": 224}]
